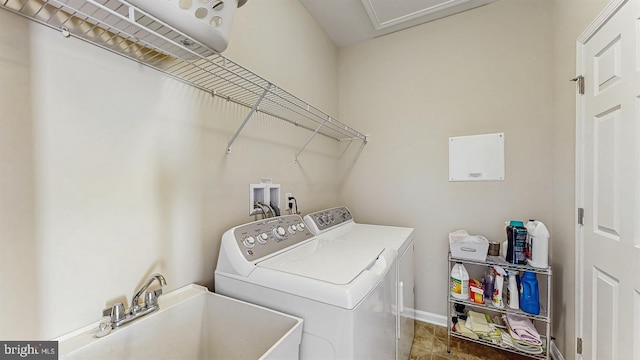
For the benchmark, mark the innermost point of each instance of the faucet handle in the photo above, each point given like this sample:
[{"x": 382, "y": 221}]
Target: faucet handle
[
  {"x": 116, "y": 312},
  {"x": 151, "y": 297}
]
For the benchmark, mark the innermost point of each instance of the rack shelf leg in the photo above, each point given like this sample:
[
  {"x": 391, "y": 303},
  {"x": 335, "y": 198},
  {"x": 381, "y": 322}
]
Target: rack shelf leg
[{"x": 449, "y": 315}]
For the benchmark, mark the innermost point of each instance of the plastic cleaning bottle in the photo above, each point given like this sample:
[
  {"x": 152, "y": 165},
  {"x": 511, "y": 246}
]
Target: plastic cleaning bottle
[
  {"x": 529, "y": 295},
  {"x": 516, "y": 241},
  {"x": 530, "y": 225},
  {"x": 489, "y": 280},
  {"x": 505, "y": 243},
  {"x": 513, "y": 294},
  {"x": 497, "y": 290},
  {"x": 539, "y": 245},
  {"x": 459, "y": 282}
]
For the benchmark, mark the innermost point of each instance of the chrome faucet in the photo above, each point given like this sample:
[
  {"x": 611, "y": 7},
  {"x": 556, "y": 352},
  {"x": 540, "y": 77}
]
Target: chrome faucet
[
  {"x": 151, "y": 298},
  {"x": 118, "y": 316}
]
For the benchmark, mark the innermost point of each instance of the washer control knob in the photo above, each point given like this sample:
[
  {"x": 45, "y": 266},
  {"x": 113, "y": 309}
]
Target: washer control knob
[
  {"x": 279, "y": 233},
  {"x": 325, "y": 218},
  {"x": 249, "y": 242},
  {"x": 331, "y": 219},
  {"x": 300, "y": 227},
  {"x": 291, "y": 229},
  {"x": 262, "y": 238}
]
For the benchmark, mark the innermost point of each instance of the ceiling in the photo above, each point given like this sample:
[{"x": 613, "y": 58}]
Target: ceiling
[{"x": 348, "y": 22}]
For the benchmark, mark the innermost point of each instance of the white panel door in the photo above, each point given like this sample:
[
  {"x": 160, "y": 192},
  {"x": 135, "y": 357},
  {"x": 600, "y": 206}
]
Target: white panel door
[{"x": 609, "y": 185}]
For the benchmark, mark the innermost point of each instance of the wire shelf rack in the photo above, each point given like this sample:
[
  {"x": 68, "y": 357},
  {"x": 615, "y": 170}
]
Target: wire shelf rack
[{"x": 119, "y": 27}]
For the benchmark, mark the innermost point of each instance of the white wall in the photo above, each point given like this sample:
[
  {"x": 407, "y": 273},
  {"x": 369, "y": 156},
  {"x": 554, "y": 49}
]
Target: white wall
[
  {"x": 483, "y": 71},
  {"x": 18, "y": 249},
  {"x": 120, "y": 171}
]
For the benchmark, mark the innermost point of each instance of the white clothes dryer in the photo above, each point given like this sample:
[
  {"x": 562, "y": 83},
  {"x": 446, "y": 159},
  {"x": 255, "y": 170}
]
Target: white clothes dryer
[
  {"x": 337, "y": 224},
  {"x": 344, "y": 291}
]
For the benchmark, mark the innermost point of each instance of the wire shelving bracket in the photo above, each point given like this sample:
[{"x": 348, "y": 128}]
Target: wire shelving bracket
[{"x": 246, "y": 119}]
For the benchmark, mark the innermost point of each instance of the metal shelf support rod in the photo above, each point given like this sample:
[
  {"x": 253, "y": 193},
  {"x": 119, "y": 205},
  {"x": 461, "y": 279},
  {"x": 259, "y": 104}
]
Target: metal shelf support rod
[
  {"x": 246, "y": 119},
  {"x": 311, "y": 137}
]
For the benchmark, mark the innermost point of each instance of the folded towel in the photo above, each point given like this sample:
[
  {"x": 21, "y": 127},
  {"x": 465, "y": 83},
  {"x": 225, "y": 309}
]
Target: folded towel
[
  {"x": 479, "y": 323},
  {"x": 462, "y": 329},
  {"x": 522, "y": 329},
  {"x": 507, "y": 340}
]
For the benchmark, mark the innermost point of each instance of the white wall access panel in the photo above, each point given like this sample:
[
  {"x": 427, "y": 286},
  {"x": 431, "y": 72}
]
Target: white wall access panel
[{"x": 476, "y": 158}]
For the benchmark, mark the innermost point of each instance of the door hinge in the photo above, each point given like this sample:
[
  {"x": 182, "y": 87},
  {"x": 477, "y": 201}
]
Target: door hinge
[
  {"x": 580, "y": 216},
  {"x": 580, "y": 82},
  {"x": 579, "y": 346}
]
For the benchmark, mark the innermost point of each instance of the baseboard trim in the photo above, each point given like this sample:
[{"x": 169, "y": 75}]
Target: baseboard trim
[
  {"x": 556, "y": 354},
  {"x": 431, "y": 318}
]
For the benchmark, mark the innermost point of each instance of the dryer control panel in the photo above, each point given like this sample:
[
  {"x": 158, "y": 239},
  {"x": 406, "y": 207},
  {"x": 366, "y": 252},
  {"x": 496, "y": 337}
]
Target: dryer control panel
[
  {"x": 265, "y": 237},
  {"x": 324, "y": 220}
]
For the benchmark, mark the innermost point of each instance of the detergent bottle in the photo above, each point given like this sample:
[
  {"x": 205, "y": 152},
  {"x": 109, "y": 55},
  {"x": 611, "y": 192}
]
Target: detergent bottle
[
  {"x": 538, "y": 255},
  {"x": 530, "y": 226},
  {"x": 529, "y": 295},
  {"x": 516, "y": 243}
]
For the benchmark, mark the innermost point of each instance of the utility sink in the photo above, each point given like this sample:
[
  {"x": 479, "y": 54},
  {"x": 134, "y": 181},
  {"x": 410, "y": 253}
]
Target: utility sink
[{"x": 193, "y": 323}]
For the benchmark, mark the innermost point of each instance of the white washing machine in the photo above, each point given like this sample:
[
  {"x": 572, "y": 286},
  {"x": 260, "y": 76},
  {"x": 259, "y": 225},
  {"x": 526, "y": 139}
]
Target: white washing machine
[
  {"x": 344, "y": 291},
  {"x": 337, "y": 224}
]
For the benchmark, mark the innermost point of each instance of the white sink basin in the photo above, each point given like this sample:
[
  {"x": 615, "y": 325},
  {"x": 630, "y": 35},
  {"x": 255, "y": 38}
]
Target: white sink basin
[{"x": 193, "y": 323}]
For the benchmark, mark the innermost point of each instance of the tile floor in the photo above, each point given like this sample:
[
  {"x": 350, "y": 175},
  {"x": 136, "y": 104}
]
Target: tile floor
[{"x": 430, "y": 343}]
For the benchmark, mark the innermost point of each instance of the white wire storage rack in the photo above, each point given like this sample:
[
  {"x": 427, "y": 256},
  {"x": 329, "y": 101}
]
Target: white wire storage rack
[
  {"x": 119, "y": 27},
  {"x": 544, "y": 318}
]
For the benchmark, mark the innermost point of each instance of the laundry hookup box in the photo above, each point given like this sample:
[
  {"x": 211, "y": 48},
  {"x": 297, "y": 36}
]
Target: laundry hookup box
[{"x": 465, "y": 246}]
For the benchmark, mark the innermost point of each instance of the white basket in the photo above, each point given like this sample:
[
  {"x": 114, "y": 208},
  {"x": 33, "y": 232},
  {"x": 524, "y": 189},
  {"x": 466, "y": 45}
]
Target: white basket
[
  {"x": 465, "y": 246},
  {"x": 207, "y": 21}
]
